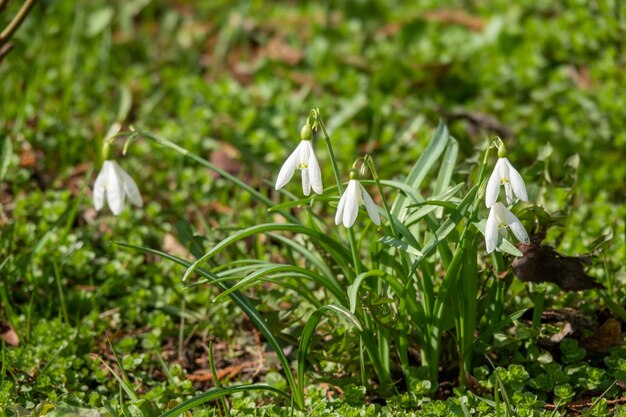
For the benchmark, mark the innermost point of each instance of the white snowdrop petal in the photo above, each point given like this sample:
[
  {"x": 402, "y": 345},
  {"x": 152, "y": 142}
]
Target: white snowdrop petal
[
  {"x": 370, "y": 206},
  {"x": 518, "y": 230},
  {"x": 340, "y": 207},
  {"x": 508, "y": 191},
  {"x": 130, "y": 187},
  {"x": 519, "y": 188},
  {"x": 306, "y": 182},
  {"x": 114, "y": 191},
  {"x": 287, "y": 170},
  {"x": 99, "y": 188},
  {"x": 516, "y": 227},
  {"x": 305, "y": 150},
  {"x": 315, "y": 174},
  {"x": 493, "y": 186},
  {"x": 491, "y": 231},
  {"x": 351, "y": 208}
]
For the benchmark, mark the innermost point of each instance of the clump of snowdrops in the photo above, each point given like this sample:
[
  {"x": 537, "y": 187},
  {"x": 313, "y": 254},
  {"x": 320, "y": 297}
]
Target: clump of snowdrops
[{"x": 416, "y": 271}]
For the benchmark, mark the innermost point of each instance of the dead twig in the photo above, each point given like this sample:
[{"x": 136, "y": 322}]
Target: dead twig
[{"x": 14, "y": 24}]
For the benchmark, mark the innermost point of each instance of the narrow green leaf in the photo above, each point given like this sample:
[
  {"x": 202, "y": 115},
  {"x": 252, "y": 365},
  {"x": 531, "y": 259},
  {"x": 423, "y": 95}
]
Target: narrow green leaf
[
  {"x": 302, "y": 202},
  {"x": 187, "y": 238},
  {"x": 392, "y": 241},
  {"x": 322, "y": 281},
  {"x": 309, "y": 329},
  {"x": 6, "y": 150},
  {"x": 429, "y": 157},
  {"x": 448, "y": 162},
  {"x": 487, "y": 333},
  {"x": 339, "y": 253},
  {"x": 215, "y": 393}
]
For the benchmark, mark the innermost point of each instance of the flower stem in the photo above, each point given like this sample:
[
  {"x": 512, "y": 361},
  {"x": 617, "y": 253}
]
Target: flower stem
[
  {"x": 331, "y": 153},
  {"x": 372, "y": 168},
  {"x": 353, "y": 244}
]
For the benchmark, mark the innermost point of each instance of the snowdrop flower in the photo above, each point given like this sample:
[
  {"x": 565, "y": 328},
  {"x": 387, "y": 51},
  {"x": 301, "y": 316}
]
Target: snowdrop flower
[
  {"x": 504, "y": 173},
  {"x": 495, "y": 230},
  {"x": 303, "y": 158},
  {"x": 117, "y": 185},
  {"x": 355, "y": 195}
]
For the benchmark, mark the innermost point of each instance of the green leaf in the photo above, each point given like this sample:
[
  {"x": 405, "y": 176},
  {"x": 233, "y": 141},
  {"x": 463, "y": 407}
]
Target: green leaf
[
  {"x": 446, "y": 169},
  {"x": 216, "y": 393},
  {"x": 6, "y": 150},
  {"x": 423, "y": 165},
  {"x": 332, "y": 286},
  {"x": 309, "y": 329},
  {"x": 303, "y": 202},
  {"x": 392, "y": 241},
  {"x": 339, "y": 253},
  {"x": 187, "y": 238}
]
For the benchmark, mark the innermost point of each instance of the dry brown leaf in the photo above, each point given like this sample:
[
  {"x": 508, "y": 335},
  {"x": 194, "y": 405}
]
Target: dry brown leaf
[
  {"x": 28, "y": 158},
  {"x": 202, "y": 375},
  {"x": 8, "y": 334},
  {"x": 456, "y": 17},
  {"x": 542, "y": 263},
  {"x": 607, "y": 336},
  {"x": 279, "y": 50}
]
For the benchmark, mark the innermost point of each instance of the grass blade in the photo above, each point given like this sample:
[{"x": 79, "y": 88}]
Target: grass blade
[
  {"x": 337, "y": 251},
  {"x": 309, "y": 329},
  {"x": 215, "y": 393},
  {"x": 431, "y": 154}
]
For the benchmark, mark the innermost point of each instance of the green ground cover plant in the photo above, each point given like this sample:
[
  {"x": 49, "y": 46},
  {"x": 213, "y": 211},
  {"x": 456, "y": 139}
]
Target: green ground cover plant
[{"x": 227, "y": 288}]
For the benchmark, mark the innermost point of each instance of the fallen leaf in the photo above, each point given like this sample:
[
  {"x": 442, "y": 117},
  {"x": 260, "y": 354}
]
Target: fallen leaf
[
  {"x": 542, "y": 263},
  {"x": 607, "y": 336},
  {"x": 277, "y": 49},
  {"x": 455, "y": 17},
  {"x": 474, "y": 385},
  {"x": 28, "y": 158},
  {"x": 8, "y": 334}
]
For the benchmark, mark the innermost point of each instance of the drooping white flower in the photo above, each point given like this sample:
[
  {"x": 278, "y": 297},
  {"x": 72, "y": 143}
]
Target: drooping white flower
[
  {"x": 303, "y": 158},
  {"x": 115, "y": 184},
  {"x": 505, "y": 174},
  {"x": 354, "y": 196},
  {"x": 495, "y": 230}
]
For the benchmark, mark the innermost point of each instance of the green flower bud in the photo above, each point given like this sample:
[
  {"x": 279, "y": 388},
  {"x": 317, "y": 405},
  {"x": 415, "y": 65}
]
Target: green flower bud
[
  {"x": 354, "y": 174},
  {"x": 501, "y": 149},
  {"x": 306, "y": 132}
]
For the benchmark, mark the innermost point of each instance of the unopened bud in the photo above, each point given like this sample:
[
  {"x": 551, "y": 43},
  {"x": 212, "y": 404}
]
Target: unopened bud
[
  {"x": 501, "y": 149},
  {"x": 305, "y": 132}
]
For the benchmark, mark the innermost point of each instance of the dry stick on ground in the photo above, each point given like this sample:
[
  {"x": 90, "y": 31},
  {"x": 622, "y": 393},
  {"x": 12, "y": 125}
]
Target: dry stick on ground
[
  {"x": 202, "y": 375},
  {"x": 578, "y": 406},
  {"x": 13, "y": 25}
]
